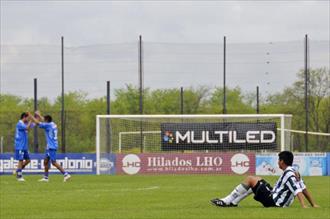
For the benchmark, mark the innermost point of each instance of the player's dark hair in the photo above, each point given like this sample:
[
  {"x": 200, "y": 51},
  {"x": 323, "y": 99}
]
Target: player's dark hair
[
  {"x": 23, "y": 115},
  {"x": 48, "y": 118},
  {"x": 287, "y": 157}
]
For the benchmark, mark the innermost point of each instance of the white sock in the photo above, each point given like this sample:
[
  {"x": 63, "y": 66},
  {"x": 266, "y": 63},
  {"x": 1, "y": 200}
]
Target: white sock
[
  {"x": 239, "y": 191},
  {"x": 241, "y": 197}
]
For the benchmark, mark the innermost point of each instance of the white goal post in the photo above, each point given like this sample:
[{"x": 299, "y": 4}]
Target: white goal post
[{"x": 117, "y": 133}]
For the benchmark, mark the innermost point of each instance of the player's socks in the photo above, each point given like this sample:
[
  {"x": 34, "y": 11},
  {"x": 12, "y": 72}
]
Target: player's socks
[
  {"x": 19, "y": 173},
  {"x": 239, "y": 191},
  {"x": 241, "y": 197},
  {"x": 65, "y": 173}
]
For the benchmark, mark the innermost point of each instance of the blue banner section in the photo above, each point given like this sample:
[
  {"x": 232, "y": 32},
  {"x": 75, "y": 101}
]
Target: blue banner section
[
  {"x": 308, "y": 164},
  {"x": 107, "y": 163},
  {"x": 267, "y": 165},
  {"x": 71, "y": 162},
  {"x": 328, "y": 156}
]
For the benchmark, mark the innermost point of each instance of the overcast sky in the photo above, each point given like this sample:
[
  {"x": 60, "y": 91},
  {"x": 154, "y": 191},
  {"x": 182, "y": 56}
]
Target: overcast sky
[
  {"x": 118, "y": 24},
  {"x": 98, "y": 22}
]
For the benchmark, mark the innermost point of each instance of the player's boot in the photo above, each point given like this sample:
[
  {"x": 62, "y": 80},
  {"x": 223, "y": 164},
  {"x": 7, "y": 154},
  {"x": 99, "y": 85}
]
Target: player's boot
[
  {"x": 221, "y": 203},
  {"x": 44, "y": 180},
  {"x": 66, "y": 177},
  {"x": 21, "y": 179}
]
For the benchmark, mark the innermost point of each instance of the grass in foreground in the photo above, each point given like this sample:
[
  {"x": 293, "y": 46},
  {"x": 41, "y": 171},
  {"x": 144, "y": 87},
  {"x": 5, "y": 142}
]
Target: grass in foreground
[{"x": 163, "y": 196}]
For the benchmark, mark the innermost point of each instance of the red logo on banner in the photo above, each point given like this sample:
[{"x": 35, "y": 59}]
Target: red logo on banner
[
  {"x": 131, "y": 164},
  {"x": 240, "y": 163}
]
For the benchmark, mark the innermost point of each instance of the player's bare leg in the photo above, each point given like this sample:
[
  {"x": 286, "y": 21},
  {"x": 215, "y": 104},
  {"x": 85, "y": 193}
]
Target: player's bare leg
[
  {"x": 251, "y": 181},
  {"x": 46, "y": 166},
  {"x": 25, "y": 163},
  {"x": 240, "y": 192},
  {"x": 59, "y": 167}
]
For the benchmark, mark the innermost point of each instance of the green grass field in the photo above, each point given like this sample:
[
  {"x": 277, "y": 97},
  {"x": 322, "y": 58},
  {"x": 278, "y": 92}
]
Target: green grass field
[{"x": 162, "y": 196}]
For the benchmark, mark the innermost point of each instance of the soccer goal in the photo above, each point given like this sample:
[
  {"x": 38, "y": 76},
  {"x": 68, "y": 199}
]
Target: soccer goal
[{"x": 190, "y": 133}]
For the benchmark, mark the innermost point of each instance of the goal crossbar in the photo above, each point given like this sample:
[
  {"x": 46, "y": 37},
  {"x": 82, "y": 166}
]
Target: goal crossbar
[{"x": 221, "y": 116}]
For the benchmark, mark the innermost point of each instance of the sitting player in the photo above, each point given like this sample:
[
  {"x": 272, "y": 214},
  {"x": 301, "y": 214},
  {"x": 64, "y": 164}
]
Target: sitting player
[
  {"x": 287, "y": 187},
  {"x": 50, "y": 128}
]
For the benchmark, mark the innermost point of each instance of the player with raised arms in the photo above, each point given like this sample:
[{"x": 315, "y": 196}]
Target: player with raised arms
[
  {"x": 289, "y": 185},
  {"x": 50, "y": 128},
  {"x": 21, "y": 144}
]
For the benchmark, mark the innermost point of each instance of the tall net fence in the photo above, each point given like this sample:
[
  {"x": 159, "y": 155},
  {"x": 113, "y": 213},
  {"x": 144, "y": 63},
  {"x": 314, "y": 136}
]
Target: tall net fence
[
  {"x": 298, "y": 139},
  {"x": 270, "y": 65},
  {"x": 165, "y": 65}
]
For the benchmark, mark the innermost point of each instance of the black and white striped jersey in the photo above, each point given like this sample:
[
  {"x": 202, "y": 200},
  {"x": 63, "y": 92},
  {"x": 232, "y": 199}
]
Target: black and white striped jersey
[{"x": 287, "y": 187}]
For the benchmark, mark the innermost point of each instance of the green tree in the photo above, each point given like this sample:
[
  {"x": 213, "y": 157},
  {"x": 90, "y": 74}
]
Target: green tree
[
  {"x": 292, "y": 101},
  {"x": 163, "y": 101},
  {"x": 236, "y": 102},
  {"x": 11, "y": 108},
  {"x": 127, "y": 100}
]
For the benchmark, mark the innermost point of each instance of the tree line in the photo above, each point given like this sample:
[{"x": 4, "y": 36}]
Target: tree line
[{"x": 80, "y": 111}]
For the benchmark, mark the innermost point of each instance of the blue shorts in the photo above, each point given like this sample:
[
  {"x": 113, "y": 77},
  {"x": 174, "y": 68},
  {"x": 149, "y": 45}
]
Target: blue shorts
[
  {"x": 22, "y": 155},
  {"x": 50, "y": 154}
]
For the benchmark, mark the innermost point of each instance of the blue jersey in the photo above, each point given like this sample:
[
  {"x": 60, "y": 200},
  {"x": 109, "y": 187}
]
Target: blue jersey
[
  {"x": 51, "y": 134},
  {"x": 21, "y": 136}
]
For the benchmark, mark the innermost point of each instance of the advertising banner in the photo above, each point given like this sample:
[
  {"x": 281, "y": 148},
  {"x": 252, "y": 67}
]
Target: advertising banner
[
  {"x": 328, "y": 156},
  {"x": 218, "y": 136},
  {"x": 74, "y": 163},
  {"x": 308, "y": 164},
  {"x": 107, "y": 163},
  {"x": 200, "y": 163}
]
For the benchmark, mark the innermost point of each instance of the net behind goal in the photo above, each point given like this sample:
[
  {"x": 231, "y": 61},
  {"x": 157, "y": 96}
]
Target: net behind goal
[{"x": 190, "y": 133}]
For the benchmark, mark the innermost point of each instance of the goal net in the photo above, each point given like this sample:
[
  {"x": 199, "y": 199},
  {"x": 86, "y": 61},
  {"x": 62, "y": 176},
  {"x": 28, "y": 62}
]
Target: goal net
[{"x": 191, "y": 133}]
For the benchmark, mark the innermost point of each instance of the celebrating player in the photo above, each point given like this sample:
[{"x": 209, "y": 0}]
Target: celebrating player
[
  {"x": 288, "y": 186},
  {"x": 21, "y": 144},
  {"x": 50, "y": 128}
]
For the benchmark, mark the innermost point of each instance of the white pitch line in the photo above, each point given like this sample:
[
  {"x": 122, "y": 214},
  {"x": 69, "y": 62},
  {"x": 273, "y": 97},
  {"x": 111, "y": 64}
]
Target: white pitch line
[{"x": 148, "y": 188}]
